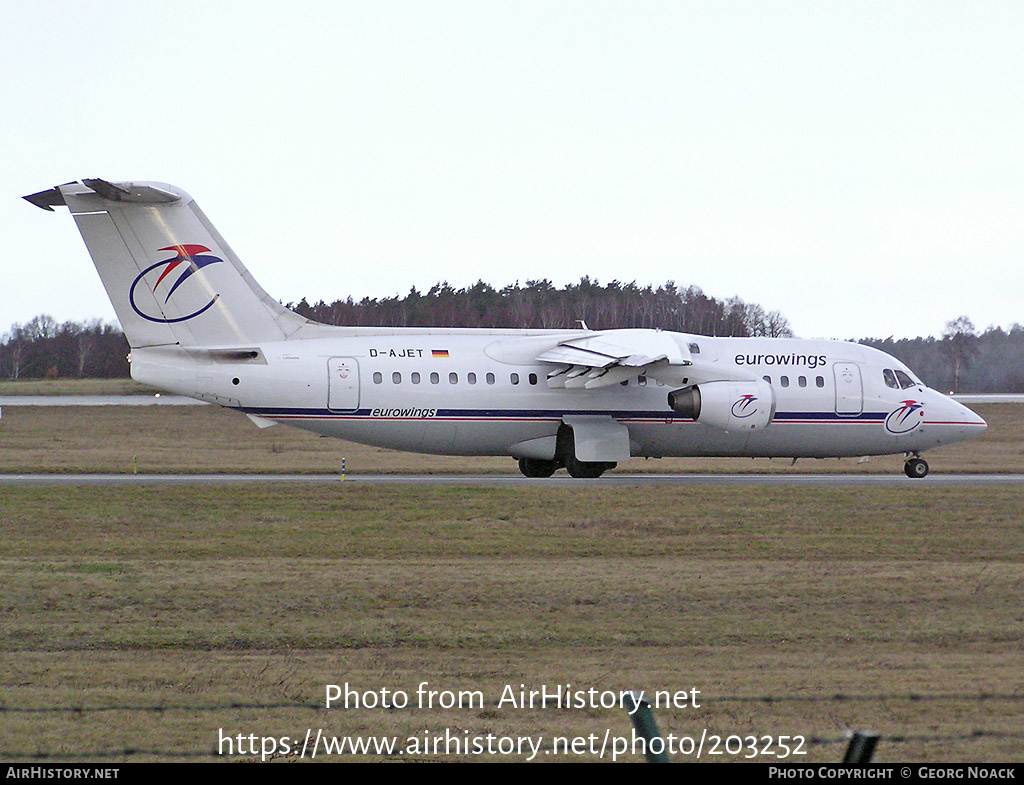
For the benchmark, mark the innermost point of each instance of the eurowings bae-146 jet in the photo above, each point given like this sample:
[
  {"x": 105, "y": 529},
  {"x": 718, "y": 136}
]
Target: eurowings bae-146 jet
[{"x": 199, "y": 325}]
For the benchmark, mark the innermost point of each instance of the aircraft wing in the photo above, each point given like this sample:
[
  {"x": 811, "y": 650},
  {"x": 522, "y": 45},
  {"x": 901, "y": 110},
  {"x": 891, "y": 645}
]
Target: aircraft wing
[{"x": 602, "y": 359}]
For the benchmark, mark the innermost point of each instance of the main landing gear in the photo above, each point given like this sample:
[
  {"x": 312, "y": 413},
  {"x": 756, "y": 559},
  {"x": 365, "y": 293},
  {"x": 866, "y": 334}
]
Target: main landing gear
[
  {"x": 916, "y": 467},
  {"x": 565, "y": 456},
  {"x": 536, "y": 467},
  {"x": 587, "y": 469}
]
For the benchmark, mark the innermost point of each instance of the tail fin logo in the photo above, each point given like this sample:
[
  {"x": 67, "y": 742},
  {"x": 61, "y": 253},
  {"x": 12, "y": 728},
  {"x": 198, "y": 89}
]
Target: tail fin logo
[
  {"x": 906, "y": 418},
  {"x": 167, "y": 279}
]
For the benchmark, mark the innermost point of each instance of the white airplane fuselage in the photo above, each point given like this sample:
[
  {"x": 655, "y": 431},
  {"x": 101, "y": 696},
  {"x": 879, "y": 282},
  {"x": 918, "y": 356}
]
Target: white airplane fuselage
[{"x": 465, "y": 393}]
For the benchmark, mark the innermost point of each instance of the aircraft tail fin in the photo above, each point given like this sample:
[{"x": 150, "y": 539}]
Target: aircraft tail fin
[{"x": 170, "y": 275}]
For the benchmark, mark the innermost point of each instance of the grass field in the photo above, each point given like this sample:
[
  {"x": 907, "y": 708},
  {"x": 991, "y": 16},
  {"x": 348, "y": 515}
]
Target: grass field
[
  {"x": 73, "y": 387},
  {"x": 211, "y": 439},
  {"x": 138, "y": 618},
  {"x": 212, "y": 596}
]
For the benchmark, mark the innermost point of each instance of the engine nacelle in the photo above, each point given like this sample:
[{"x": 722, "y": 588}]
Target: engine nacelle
[{"x": 731, "y": 406}]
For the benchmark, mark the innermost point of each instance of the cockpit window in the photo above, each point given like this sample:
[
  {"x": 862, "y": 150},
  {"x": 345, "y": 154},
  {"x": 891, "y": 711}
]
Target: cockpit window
[
  {"x": 904, "y": 380},
  {"x": 898, "y": 380}
]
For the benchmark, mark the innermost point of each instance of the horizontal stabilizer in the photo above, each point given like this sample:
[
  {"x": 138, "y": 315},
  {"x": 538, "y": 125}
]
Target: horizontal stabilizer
[
  {"x": 47, "y": 200},
  {"x": 130, "y": 192},
  {"x": 112, "y": 192}
]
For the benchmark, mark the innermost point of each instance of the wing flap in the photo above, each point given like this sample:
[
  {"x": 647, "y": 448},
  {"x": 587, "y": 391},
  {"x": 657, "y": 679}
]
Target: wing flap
[{"x": 611, "y": 357}]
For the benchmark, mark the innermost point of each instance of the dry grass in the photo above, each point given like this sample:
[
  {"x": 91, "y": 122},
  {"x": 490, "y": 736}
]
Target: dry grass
[
  {"x": 73, "y": 387},
  {"x": 210, "y": 439},
  {"x": 263, "y": 594}
]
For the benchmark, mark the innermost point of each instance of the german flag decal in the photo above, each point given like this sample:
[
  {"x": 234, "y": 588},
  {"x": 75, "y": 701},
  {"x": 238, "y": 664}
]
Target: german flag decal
[{"x": 438, "y": 352}]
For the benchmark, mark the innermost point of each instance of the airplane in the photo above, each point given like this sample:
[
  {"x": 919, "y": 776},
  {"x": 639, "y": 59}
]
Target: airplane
[{"x": 584, "y": 400}]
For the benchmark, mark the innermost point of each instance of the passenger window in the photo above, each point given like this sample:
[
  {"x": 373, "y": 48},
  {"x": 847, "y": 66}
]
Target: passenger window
[
  {"x": 904, "y": 380},
  {"x": 396, "y": 378},
  {"x": 767, "y": 379},
  {"x": 471, "y": 378},
  {"x": 514, "y": 378},
  {"x": 415, "y": 377},
  {"x": 533, "y": 378},
  {"x": 434, "y": 378},
  {"x": 802, "y": 381},
  {"x": 453, "y": 378},
  {"x": 784, "y": 381},
  {"x": 377, "y": 377},
  {"x": 642, "y": 381},
  {"x": 490, "y": 378},
  {"x": 890, "y": 379},
  {"x": 820, "y": 381}
]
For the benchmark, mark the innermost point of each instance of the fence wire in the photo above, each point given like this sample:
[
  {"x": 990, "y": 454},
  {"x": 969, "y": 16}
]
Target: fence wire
[{"x": 812, "y": 740}]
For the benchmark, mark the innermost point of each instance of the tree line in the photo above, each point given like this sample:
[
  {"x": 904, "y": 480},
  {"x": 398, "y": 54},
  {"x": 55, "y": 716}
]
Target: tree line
[
  {"x": 539, "y": 304},
  {"x": 962, "y": 359},
  {"x": 44, "y": 349}
]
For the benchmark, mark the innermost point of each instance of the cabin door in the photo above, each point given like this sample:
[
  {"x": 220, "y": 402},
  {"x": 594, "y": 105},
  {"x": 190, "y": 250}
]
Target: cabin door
[
  {"x": 849, "y": 389},
  {"x": 342, "y": 384}
]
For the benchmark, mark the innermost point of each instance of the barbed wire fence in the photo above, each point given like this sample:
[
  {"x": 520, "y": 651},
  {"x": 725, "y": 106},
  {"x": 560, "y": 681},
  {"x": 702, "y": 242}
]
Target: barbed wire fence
[{"x": 650, "y": 731}]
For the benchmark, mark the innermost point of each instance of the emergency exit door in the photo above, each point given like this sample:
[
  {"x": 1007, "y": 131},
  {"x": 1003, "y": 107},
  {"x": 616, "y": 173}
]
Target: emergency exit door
[
  {"x": 849, "y": 389},
  {"x": 342, "y": 384}
]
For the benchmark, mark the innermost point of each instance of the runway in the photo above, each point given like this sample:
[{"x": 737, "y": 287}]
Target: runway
[
  {"x": 515, "y": 481},
  {"x": 99, "y": 400}
]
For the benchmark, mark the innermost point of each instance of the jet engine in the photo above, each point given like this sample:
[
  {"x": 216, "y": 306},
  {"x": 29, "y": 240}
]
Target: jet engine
[{"x": 730, "y": 406}]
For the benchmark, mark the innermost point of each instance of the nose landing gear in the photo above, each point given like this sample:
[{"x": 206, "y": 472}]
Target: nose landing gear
[{"x": 915, "y": 467}]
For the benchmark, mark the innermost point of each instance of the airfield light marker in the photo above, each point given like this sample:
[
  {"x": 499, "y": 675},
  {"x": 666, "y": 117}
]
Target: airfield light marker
[
  {"x": 643, "y": 721},
  {"x": 862, "y": 747}
]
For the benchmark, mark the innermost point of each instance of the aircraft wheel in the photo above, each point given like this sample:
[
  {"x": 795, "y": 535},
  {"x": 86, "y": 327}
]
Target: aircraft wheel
[
  {"x": 916, "y": 468},
  {"x": 587, "y": 469},
  {"x": 535, "y": 467}
]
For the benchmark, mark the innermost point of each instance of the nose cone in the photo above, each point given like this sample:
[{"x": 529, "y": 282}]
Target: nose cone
[
  {"x": 967, "y": 417},
  {"x": 958, "y": 421}
]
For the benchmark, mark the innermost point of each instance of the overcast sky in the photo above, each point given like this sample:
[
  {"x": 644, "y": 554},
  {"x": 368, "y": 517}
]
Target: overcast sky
[{"x": 857, "y": 166}]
